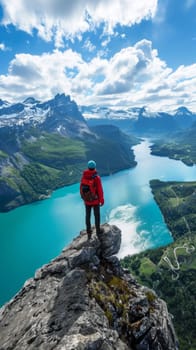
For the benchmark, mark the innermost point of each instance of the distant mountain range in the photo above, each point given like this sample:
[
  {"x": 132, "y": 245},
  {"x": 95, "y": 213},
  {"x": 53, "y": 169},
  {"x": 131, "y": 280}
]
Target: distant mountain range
[
  {"x": 61, "y": 107},
  {"x": 140, "y": 120}
]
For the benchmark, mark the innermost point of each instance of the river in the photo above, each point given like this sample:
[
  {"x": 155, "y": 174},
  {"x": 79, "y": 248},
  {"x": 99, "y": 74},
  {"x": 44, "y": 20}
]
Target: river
[{"x": 32, "y": 235}]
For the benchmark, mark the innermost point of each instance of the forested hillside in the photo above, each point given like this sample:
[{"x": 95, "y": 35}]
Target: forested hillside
[
  {"x": 34, "y": 163},
  {"x": 181, "y": 145}
]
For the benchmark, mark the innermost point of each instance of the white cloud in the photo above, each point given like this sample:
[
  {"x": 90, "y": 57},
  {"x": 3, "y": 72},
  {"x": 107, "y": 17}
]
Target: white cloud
[
  {"x": 3, "y": 47},
  {"x": 55, "y": 19},
  {"x": 127, "y": 68},
  {"x": 106, "y": 42},
  {"x": 39, "y": 76},
  {"x": 134, "y": 76}
]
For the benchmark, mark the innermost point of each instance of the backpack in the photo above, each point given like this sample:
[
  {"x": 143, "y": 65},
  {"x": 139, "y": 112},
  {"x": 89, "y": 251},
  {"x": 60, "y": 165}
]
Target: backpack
[{"x": 88, "y": 189}]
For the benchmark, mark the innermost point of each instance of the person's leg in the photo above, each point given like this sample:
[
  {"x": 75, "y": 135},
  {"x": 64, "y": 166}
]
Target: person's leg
[
  {"x": 88, "y": 219},
  {"x": 96, "y": 209}
]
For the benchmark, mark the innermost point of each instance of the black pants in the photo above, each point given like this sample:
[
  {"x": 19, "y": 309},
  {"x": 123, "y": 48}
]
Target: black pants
[{"x": 96, "y": 210}]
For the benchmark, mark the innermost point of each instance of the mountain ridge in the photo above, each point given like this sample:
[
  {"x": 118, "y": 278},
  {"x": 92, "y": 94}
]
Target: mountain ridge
[
  {"x": 140, "y": 120},
  {"x": 83, "y": 299},
  {"x": 182, "y": 116}
]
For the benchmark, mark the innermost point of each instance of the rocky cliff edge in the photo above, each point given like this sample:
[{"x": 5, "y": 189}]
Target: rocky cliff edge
[{"x": 84, "y": 300}]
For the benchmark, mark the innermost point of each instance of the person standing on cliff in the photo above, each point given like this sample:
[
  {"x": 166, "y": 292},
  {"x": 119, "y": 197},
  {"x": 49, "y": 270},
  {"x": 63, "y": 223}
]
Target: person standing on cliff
[{"x": 91, "y": 191}]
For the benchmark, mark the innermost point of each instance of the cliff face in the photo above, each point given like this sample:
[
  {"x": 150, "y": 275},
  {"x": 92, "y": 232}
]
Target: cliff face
[{"x": 84, "y": 300}]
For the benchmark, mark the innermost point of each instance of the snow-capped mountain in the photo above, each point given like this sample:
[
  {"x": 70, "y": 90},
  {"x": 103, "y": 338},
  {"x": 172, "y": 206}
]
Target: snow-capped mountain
[
  {"x": 184, "y": 117},
  {"x": 3, "y": 103},
  {"x": 94, "y": 111},
  {"x": 140, "y": 119},
  {"x": 59, "y": 114},
  {"x": 100, "y": 112}
]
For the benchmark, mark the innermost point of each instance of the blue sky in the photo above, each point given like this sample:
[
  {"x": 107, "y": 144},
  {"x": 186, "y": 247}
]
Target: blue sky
[{"x": 123, "y": 53}]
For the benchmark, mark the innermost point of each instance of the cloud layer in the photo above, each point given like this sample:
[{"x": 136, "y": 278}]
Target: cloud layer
[
  {"x": 134, "y": 76},
  {"x": 56, "y": 19}
]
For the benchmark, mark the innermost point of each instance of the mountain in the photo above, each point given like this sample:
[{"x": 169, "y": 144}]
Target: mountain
[
  {"x": 60, "y": 114},
  {"x": 82, "y": 300},
  {"x": 98, "y": 115},
  {"x": 115, "y": 144},
  {"x": 44, "y": 146},
  {"x": 3, "y": 103},
  {"x": 158, "y": 123},
  {"x": 102, "y": 112},
  {"x": 184, "y": 117},
  {"x": 140, "y": 119}
]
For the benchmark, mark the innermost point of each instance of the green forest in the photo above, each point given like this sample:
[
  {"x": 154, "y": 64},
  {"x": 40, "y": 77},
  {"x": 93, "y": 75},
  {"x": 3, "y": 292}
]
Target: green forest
[
  {"x": 180, "y": 146},
  {"x": 41, "y": 162}
]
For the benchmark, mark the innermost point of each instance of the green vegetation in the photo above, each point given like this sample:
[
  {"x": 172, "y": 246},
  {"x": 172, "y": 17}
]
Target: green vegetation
[
  {"x": 114, "y": 147},
  {"x": 3, "y": 155},
  {"x": 115, "y": 155},
  {"x": 177, "y": 201},
  {"x": 44, "y": 163},
  {"x": 54, "y": 150},
  {"x": 114, "y": 295},
  {"x": 40, "y": 162},
  {"x": 182, "y": 147},
  {"x": 171, "y": 270}
]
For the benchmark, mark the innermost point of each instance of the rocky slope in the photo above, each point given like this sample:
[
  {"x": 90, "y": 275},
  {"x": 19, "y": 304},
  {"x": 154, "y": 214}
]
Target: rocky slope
[{"x": 83, "y": 300}]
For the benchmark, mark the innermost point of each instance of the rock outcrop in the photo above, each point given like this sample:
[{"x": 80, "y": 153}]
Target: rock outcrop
[{"x": 84, "y": 300}]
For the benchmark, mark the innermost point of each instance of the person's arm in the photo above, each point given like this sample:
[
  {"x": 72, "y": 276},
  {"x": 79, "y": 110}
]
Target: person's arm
[
  {"x": 100, "y": 191},
  {"x": 81, "y": 189}
]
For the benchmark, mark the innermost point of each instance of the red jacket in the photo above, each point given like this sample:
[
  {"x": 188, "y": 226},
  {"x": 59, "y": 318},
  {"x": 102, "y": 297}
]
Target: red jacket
[{"x": 88, "y": 174}]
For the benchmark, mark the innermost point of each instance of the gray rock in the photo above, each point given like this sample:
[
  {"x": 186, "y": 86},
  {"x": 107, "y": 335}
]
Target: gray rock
[
  {"x": 83, "y": 300},
  {"x": 110, "y": 240}
]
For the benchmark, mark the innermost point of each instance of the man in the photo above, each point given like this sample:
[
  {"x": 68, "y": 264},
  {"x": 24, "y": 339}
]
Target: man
[{"x": 91, "y": 191}]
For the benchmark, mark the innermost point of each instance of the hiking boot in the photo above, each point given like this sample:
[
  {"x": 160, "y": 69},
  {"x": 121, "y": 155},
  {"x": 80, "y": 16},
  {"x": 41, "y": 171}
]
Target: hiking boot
[
  {"x": 89, "y": 234},
  {"x": 100, "y": 231}
]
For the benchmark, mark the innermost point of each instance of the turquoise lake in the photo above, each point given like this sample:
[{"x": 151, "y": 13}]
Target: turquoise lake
[{"x": 32, "y": 235}]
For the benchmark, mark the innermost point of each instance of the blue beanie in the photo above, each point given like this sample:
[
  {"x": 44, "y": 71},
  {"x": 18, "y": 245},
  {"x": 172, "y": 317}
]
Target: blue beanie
[{"x": 91, "y": 164}]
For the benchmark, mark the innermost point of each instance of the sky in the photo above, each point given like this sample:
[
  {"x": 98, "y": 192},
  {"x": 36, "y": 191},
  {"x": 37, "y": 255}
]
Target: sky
[{"x": 115, "y": 53}]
